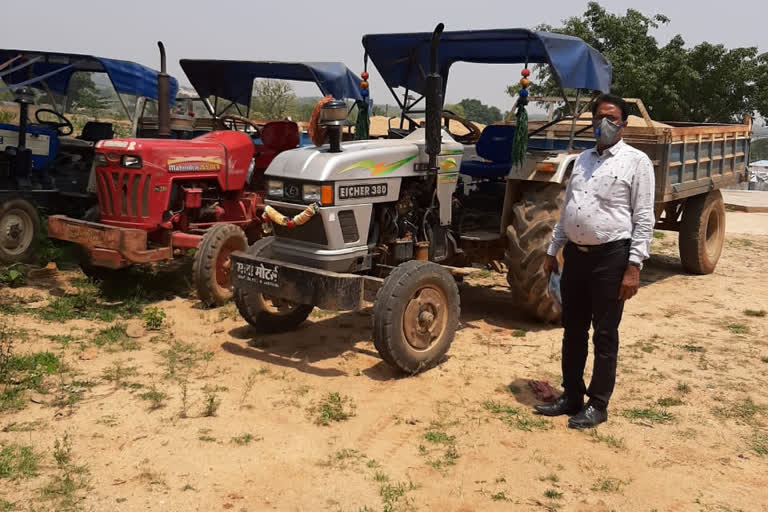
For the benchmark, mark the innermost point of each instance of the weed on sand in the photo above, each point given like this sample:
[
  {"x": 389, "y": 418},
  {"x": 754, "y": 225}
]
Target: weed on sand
[
  {"x": 651, "y": 415},
  {"x": 333, "y": 407},
  {"x": 18, "y": 461},
  {"x": 516, "y": 418}
]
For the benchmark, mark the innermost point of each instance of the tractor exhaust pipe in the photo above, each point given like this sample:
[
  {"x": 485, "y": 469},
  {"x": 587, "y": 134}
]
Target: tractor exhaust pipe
[
  {"x": 434, "y": 97},
  {"x": 163, "y": 97}
]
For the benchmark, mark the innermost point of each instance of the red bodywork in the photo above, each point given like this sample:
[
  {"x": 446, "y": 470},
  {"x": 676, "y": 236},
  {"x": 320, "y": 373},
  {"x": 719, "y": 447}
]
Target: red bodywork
[
  {"x": 139, "y": 198},
  {"x": 182, "y": 188}
]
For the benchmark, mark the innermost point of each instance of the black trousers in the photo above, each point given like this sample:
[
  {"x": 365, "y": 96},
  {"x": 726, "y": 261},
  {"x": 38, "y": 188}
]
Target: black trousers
[{"x": 590, "y": 287}]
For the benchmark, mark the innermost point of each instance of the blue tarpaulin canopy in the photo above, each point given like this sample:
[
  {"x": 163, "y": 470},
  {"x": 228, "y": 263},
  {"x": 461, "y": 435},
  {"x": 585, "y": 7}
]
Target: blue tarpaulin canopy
[
  {"x": 233, "y": 80},
  {"x": 54, "y": 70},
  {"x": 403, "y": 59}
]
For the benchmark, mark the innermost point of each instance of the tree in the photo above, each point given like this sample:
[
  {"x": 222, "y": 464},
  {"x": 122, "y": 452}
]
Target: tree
[
  {"x": 84, "y": 94},
  {"x": 475, "y": 110},
  {"x": 272, "y": 99},
  {"x": 706, "y": 83}
]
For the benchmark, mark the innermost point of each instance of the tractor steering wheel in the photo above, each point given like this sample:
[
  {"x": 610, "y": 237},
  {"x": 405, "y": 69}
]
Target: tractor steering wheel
[
  {"x": 468, "y": 138},
  {"x": 63, "y": 126},
  {"x": 231, "y": 121}
]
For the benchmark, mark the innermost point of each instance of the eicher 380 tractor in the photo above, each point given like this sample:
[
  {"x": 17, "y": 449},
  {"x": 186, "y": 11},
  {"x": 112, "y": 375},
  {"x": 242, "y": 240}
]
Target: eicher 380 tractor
[
  {"x": 394, "y": 218},
  {"x": 391, "y": 221},
  {"x": 159, "y": 198}
]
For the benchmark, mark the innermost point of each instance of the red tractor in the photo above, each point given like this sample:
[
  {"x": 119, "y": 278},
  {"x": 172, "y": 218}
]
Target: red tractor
[{"x": 158, "y": 198}]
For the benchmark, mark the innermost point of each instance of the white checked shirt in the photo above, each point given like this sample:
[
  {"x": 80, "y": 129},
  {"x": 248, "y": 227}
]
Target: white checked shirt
[{"x": 609, "y": 197}]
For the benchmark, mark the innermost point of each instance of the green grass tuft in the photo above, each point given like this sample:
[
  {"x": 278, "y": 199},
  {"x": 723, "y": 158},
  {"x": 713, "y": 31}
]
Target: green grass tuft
[
  {"x": 651, "y": 415},
  {"x": 515, "y": 418},
  {"x": 18, "y": 461},
  {"x": 553, "y": 494},
  {"x": 333, "y": 407},
  {"x": 737, "y": 328}
]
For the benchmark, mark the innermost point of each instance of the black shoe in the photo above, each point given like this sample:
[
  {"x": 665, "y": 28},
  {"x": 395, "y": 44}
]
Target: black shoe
[
  {"x": 589, "y": 417},
  {"x": 563, "y": 405}
]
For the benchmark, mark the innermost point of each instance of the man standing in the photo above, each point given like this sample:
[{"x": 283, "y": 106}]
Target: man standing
[{"x": 605, "y": 231}]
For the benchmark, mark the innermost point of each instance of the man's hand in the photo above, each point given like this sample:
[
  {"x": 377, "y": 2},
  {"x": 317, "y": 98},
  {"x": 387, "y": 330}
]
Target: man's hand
[
  {"x": 550, "y": 265},
  {"x": 630, "y": 283}
]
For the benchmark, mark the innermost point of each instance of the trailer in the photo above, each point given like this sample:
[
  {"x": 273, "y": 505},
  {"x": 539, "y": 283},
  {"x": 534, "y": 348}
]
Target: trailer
[{"x": 692, "y": 162}]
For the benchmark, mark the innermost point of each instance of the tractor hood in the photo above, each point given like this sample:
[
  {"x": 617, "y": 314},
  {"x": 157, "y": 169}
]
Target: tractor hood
[{"x": 364, "y": 159}]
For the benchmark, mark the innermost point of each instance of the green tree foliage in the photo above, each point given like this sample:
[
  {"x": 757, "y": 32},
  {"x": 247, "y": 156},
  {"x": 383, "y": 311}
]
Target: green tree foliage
[
  {"x": 85, "y": 95},
  {"x": 475, "y": 110},
  {"x": 272, "y": 99},
  {"x": 706, "y": 83}
]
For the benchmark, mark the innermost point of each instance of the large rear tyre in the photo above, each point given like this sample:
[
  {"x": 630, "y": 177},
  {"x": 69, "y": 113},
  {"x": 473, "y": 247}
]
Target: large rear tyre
[
  {"x": 415, "y": 316},
  {"x": 210, "y": 269},
  {"x": 533, "y": 219},
  {"x": 19, "y": 231},
  {"x": 702, "y": 232},
  {"x": 267, "y": 314}
]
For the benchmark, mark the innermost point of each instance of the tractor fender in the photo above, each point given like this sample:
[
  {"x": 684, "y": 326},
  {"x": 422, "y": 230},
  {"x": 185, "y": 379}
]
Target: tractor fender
[
  {"x": 550, "y": 168},
  {"x": 564, "y": 168}
]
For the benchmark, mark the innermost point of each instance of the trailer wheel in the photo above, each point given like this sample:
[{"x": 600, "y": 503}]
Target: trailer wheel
[
  {"x": 210, "y": 269},
  {"x": 415, "y": 316},
  {"x": 267, "y": 314},
  {"x": 528, "y": 236},
  {"x": 19, "y": 231},
  {"x": 702, "y": 232}
]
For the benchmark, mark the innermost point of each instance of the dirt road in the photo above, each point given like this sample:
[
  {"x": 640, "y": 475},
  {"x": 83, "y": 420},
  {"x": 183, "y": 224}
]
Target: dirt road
[{"x": 203, "y": 414}]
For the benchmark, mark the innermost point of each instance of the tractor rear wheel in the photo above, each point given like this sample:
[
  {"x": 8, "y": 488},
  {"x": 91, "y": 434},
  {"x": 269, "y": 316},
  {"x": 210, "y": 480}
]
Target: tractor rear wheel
[
  {"x": 702, "y": 232},
  {"x": 269, "y": 314},
  {"x": 533, "y": 219},
  {"x": 19, "y": 231},
  {"x": 416, "y": 315},
  {"x": 210, "y": 269}
]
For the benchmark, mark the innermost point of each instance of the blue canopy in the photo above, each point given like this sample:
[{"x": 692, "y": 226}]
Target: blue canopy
[
  {"x": 403, "y": 59},
  {"x": 233, "y": 79},
  {"x": 33, "y": 68}
]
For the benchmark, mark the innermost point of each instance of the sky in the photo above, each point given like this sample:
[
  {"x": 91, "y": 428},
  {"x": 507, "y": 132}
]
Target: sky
[{"x": 321, "y": 31}]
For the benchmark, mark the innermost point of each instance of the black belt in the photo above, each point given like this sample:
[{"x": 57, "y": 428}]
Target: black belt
[{"x": 601, "y": 247}]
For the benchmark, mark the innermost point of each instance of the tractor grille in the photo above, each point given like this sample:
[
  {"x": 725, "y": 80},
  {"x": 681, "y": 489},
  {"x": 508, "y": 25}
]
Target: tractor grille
[
  {"x": 124, "y": 193},
  {"x": 348, "y": 226},
  {"x": 313, "y": 231}
]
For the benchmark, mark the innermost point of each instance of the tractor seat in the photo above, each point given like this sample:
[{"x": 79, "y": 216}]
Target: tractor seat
[
  {"x": 276, "y": 137},
  {"x": 94, "y": 131},
  {"x": 495, "y": 147}
]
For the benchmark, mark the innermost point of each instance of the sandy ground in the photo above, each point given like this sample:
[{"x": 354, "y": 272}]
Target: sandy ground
[{"x": 456, "y": 438}]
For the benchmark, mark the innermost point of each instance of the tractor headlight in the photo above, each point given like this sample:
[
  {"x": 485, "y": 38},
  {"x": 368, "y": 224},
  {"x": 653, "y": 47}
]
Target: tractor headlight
[
  {"x": 100, "y": 160},
  {"x": 311, "y": 193},
  {"x": 275, "y": 188},
  {"x": 131, "y": 161}
]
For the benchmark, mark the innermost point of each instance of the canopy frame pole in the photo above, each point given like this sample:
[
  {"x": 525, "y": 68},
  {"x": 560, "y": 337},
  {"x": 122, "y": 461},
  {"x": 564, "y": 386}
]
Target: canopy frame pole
[{"x": 576, "y": 115}]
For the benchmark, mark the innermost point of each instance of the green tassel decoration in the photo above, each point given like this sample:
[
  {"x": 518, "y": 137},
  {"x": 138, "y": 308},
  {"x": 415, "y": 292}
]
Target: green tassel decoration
[
  {"x": 520, "y": 142},
  {"x": 363, "y": 123}
]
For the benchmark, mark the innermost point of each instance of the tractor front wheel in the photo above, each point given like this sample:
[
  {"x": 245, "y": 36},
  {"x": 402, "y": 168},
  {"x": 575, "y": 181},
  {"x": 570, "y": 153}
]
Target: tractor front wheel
[
  {"x": 268, "y": 314},
  {"x": 19, "y": 231},
  {"x": 415, "y": 316},
  {"x": 211, "y": 266}
]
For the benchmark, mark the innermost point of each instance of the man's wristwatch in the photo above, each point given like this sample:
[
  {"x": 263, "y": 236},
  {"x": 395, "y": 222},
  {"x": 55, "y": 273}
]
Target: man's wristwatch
[{"x": 638, "y": 265}]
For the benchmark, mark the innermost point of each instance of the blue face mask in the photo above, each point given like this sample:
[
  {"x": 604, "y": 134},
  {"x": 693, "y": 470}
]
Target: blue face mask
[{"x": 607, "y": 131}]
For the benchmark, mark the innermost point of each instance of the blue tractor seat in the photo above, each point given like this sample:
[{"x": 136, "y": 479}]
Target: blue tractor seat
[{"x": 495, "y": 146}]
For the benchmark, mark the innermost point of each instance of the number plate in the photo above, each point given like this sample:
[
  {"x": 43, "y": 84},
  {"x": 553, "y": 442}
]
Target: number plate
[
  {"x": 263, "y": 274},
  {"x": 362, "y": 191},
  {"x": 86, "y": 235}
]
